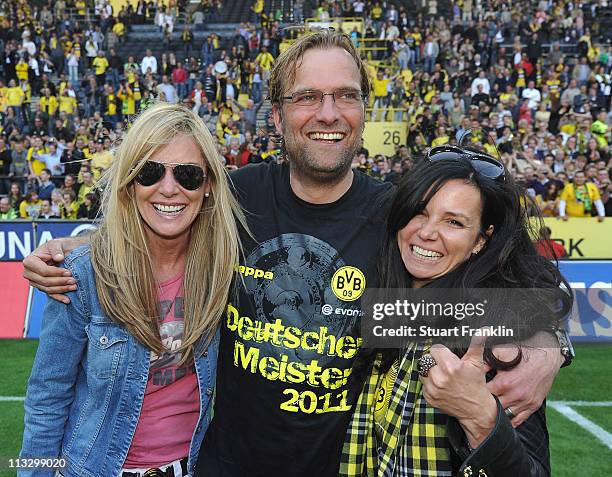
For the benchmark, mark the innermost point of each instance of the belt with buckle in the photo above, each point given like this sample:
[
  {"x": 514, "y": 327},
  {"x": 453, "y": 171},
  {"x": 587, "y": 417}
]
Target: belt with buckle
[{"x": 157, "y": 472}]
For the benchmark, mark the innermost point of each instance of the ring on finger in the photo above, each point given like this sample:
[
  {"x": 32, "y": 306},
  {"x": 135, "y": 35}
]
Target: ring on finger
[{"x": 424, "y": 364}]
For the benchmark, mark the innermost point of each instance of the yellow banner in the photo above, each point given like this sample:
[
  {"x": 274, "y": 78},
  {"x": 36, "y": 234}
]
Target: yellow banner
[
  {"x": 382, "y": 137},
  {"x": 583, "y": 237}
]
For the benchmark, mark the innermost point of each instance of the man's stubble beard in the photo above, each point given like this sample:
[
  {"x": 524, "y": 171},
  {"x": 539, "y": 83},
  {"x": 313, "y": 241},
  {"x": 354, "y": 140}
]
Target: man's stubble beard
[{"x": 305, "y": 166}]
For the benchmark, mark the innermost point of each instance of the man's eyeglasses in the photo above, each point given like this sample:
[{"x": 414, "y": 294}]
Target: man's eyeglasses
[
  {"x": 188, "y": 176},
  {"x": 344, "y": 98},
  {"x": 482, "y": 163}
]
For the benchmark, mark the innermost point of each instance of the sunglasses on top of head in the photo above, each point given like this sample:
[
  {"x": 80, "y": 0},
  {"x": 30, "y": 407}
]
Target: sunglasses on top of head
[
  {"x": 483, "y": 164},
  {"x": 188, "y": 176}
]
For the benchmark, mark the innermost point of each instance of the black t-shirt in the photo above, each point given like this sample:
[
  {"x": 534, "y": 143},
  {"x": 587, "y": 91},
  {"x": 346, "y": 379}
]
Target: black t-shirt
[{"x": 289, "y": 339}]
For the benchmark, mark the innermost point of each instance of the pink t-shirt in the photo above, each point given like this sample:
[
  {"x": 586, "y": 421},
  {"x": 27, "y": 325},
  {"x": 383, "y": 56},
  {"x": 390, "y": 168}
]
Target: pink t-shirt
[{"x": 171, "y": 405}]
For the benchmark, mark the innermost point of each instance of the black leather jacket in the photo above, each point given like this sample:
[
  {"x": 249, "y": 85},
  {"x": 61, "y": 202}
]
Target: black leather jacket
[{"x": 506, "y": 452}]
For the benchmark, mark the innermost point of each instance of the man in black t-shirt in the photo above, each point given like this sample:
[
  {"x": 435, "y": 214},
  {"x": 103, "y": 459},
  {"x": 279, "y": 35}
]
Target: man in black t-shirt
[{"x": 291, "y": 335}]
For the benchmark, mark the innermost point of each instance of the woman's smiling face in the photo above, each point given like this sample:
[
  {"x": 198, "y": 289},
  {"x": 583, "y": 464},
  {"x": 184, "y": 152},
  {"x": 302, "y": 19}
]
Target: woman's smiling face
[
  {"x": 444, "y": 234},
  {"x": 167, "y": 209}
]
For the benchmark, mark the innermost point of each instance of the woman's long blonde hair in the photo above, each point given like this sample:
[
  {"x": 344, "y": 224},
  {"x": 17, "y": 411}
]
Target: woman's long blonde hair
[{"x": 125, "y": 281}]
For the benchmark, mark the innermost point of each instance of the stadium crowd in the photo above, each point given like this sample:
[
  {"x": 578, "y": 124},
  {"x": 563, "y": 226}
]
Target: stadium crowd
[{"x": 532, "y": 80}]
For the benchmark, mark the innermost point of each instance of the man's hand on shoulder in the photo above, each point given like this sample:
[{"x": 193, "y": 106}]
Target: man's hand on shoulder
[
  {"x": 41, "y": 270},
  {"x": 524, "y": 388}
]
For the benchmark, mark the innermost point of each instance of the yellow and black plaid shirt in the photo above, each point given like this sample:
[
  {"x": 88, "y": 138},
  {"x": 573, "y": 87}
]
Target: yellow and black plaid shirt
[{"x": 393, "y": 432}]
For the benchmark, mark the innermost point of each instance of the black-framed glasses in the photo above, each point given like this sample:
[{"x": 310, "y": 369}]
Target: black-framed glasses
[
  {"x": 346, "y": 98},
  {"x": 482, "y": 163},
  {"x": 188, "y": 176}
]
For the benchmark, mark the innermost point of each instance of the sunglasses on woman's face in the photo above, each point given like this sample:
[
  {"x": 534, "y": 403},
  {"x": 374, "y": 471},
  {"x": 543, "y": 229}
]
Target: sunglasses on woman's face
[
  {"x": 483, "y": 164},
  {"x": 188, "y": 176}
]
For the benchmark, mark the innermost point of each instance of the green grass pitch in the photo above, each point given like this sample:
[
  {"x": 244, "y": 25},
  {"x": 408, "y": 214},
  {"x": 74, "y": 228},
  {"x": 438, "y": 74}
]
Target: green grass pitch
[{"x": 575, "y": 451}]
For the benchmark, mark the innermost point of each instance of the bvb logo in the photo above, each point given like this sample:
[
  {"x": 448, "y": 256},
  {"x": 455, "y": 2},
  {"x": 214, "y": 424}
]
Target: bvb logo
[{"x": 348, "y": 283}]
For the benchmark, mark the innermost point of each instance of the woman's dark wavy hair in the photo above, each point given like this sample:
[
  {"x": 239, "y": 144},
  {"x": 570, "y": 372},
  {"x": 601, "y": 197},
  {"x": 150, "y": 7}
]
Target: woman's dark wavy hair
[
  {"x": 547, "y": 194},
  {"x": 507, "y": 260}
]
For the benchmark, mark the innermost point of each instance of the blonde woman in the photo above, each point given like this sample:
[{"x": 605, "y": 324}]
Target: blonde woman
[{"x": 123, "y": 377}]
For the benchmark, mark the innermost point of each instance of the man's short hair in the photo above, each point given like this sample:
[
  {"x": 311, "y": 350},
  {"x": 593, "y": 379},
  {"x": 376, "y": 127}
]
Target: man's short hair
[{"x": 283, "y": 70}]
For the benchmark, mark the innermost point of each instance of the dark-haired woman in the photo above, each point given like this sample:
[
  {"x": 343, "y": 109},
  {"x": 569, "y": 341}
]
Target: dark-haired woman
[
  {"x": 456, "y": 222},
  {"x": 548, "y": 201},
  {"x": 89, "y": 208},
  {"x": 15, "y": 196}
]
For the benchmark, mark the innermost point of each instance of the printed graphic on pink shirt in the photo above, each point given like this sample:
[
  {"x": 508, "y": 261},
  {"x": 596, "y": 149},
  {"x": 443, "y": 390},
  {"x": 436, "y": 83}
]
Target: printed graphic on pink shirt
[
  {"x": 164, "y": 369},
  {"x": 171, "y": 405}
]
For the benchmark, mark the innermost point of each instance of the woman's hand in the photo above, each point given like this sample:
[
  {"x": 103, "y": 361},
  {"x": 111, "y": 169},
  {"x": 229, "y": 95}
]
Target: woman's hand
[{"x": 457, "y": 386}]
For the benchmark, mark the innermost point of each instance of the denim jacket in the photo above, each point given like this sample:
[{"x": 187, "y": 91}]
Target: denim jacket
[{"x": 88, "y": 383}]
